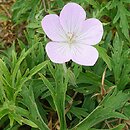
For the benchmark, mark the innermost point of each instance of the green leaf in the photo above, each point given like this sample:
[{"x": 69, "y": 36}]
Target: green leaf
[
  {"x": 20, "y": 59},
  {"x": 3, "y": 112},
  {"x": 120, "y": 63},
  {"x": 37, "y": 68},
  {"x": 24, "y": 10},
  {"x": 91, "y": 78},
  {"x": 3, "y": 18},
  {"x": 104, "y": 56},
  {"x": 105, "y": 110},
  {"x": 18, "y": 118},
  {"x": 112, "y": 100},
  {"x": 4, "y": 70},
  {"x": 79, "y": 112},
  {"x": 123, "y": 20},
  {"x": 60, "y": 3},
  {"x": 29, "y": 101},
  {"x": 11, "y": 119},
  {"x": 98, "y": 115},
  {"x": 119, "y": 127},
  {"x": 127, "y": 1},
  {"x": 126, "y": 110},
  {"x": 21, "y": 44},
  {"x": 48, "y": 84},
  {"x": 33, "y": 25},
  {"x": 21, "y": 120},
  {"x": 30, "y": 123},
  {"x": 39, "y": 88},
  {"x": 25, "y": 113}
]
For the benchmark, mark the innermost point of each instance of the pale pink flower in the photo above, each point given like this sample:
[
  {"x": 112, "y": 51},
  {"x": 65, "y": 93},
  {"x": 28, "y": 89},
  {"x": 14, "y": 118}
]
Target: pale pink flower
[{"x": 72, "y": 36}]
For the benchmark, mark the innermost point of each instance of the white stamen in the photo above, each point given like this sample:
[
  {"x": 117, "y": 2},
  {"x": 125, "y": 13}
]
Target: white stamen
[{"x": 70, "y": 37}]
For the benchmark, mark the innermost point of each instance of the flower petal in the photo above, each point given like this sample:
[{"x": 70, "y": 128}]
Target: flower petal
[
  {"x": 71, "y": 17},
  {"x": 52, "y": 27},
  {"x": 91, "y": 32},
  {"x": 84, "y": 54},
  {"x": 58, "y": 52}
]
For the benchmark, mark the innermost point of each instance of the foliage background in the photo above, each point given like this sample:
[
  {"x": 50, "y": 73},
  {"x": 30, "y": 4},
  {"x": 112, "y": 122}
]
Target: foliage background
[{"x": 29, "y": 82}]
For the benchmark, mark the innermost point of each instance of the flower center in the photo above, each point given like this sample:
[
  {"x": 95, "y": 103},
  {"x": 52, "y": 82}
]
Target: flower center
[{"x": 70, "y": 37}]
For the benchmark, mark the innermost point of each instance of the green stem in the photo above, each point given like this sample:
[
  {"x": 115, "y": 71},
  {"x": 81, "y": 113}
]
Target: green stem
[{"x": 65, "y": 68}]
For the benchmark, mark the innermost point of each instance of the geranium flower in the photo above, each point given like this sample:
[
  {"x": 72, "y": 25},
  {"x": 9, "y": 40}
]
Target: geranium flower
[{"x": 72, "y": 36}]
